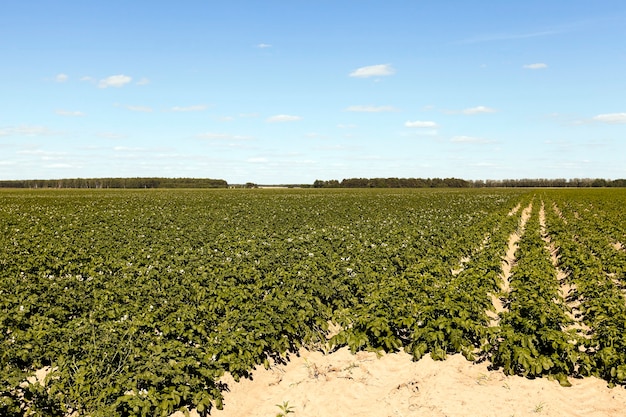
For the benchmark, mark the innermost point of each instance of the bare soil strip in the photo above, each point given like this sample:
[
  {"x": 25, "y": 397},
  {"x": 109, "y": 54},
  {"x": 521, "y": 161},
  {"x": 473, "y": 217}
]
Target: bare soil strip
[
  {"x": 515, "y": 209},
  {"x": 464, "y": 260},
  {"x": 461, "y": 267},
  {"x": 618, "y": 246},
  {"x": 558, "y": 212},
  {"x": 565, "y": 287},
  {"x": 616, "y": 282},
  {"x": 507, "y": 263}
]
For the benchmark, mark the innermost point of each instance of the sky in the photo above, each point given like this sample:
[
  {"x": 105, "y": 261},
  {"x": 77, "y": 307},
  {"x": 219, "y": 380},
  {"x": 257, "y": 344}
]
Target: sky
[{"x": 288, "y": 92}]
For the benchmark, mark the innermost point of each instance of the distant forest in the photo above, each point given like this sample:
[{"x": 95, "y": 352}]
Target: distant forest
[
  {"x": 460, "y": 183},
  {"x": 117, "y": 183},
  {"x": 345, "y": 183}
]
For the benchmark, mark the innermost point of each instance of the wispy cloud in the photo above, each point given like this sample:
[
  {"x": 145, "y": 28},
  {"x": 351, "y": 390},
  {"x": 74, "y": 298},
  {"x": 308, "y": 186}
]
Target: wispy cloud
[
  {"x": 142, "y": 109},
  {"x": 283, "y": 118},
  {"x": 199, "y": 107},
  {"x": 373, "y": 71},
  {"x": 421, "y": 124},
  {"x": 470, "y": 139},
  {"x": 536, "y": 66},
  {"x": 62, "y": 166},
  {"x": 370, "y": 109},
  {"x": 61, "y": 78},
  {"x": 346, "y": 126},
  {"x": 478, "y": 110},
  {"x": 128, "y": 148},
  {"x": 25, "y": 131},
  {"x": 111, "y": 135},
  {"x": 115, "y": 81},
  {"x": 143, "y": 81},
  {"x": 264, "y": 45},
  {"x": 69, "y": 113},
  {"x": 611, "y": 118},
  {"x": 47, "y": 155}
]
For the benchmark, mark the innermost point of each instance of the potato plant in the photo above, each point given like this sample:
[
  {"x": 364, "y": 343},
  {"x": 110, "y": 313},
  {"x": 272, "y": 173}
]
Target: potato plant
[{"x": 138, "y": 302}]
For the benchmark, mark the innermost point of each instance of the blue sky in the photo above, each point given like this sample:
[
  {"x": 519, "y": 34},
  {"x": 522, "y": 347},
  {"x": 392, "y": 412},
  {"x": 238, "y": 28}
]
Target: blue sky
[{"x": 293, "y": 91}]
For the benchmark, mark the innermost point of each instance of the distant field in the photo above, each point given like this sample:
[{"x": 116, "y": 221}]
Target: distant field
[{"x": 137, "y": 302}]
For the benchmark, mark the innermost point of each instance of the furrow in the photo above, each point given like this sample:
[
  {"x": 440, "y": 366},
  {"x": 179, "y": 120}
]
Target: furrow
[
  {"x": 565, "y": 286},
  {"x": 507, "y": 264}
]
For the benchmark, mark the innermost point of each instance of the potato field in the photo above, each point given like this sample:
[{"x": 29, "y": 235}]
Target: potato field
[{"x": 137, "y": 302}]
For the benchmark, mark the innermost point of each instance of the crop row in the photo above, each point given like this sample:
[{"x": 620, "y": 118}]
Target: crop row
[
  {"x": 596, "y": 272},
  {"x": 532, "y": 339},
  {"x": 139, "y": 301}
]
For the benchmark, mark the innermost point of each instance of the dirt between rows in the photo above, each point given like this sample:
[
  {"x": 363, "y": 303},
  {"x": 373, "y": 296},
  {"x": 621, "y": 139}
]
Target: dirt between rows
[
  {"x": 365, "y": 384},
  {"x": 508, "y": 262}
]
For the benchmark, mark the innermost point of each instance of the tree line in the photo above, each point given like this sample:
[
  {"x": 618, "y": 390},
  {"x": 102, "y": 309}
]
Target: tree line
[
  {"x": 460, "y": 183},
  {"x": 392, "y": 182},
  {"x": 117, "y": 183}
]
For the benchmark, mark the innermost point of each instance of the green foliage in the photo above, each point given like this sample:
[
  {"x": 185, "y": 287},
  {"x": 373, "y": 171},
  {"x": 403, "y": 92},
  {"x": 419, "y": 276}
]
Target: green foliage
[
  {"x": 285, "y": 409},
  {"x": 140, "y": 301}
]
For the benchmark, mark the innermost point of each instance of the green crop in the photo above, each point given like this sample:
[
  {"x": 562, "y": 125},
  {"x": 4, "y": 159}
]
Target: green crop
[{"x": 138, "y": 302}]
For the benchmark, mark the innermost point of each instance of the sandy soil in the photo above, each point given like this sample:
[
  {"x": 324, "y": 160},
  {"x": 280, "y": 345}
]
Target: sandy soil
[{"x": 343, "y": 384}]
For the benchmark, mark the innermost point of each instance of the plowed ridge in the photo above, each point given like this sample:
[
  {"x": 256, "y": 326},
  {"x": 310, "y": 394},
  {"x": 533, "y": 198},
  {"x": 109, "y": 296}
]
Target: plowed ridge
[
  {"x": 508, "y": 262},
  {"x": 565, "y": 286}
]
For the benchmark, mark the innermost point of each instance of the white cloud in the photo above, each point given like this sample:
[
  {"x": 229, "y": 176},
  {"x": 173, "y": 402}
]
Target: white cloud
[
  {"x": 199, "y": 107},
  {"x": 373, "y": 71},
  {"x": 143, "y": 81},
  {"x": 61, "y": 78},
  {"x": 421, "y": 124},
  {"x": 478, "y": 110},
  {"x": 370, "y": 109},
  {"x": 70, "y": 113},
  {"x": 469, "y": 139},
  {"x": 143, "y": 109},
  {"x": 613, "y": 118},
  {"x": 264, "y": 45},
  {"x": 115, "y": 81},
  {"x": 111, "y": 135},
  {"x": 61, "y": 166},
  {"x": 346, "y": 126},
  {"x": 258, "y": 160},
  {"x": 283, "y": 118},
  {"x": 25, "y": 131},
  {"x": 43, "y": 155},
  {"x": 87, "y": 78},
  {"x": 127, "y": 148},
  {"x": 538, "y": 65}
]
